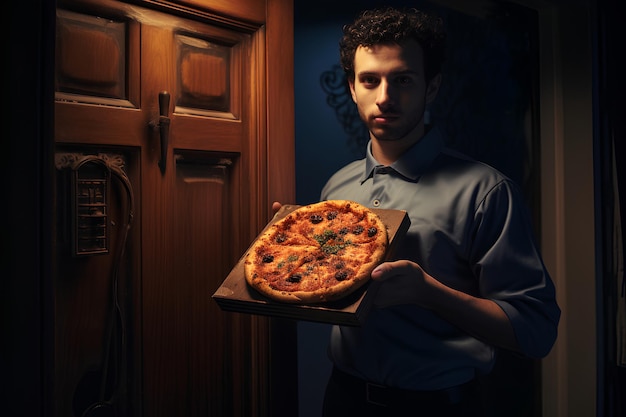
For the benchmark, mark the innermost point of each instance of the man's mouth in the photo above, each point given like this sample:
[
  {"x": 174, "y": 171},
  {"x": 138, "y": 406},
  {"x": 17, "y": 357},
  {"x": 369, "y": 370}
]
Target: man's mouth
[{"x": 384, "y": 118}]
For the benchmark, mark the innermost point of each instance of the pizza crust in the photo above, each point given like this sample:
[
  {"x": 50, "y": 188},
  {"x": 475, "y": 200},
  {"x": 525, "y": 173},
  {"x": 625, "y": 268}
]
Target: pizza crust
[{"x": 318, "y": 253}]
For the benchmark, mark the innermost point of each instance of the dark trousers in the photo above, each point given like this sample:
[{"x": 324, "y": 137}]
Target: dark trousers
[{"x": 347, "y": 395}]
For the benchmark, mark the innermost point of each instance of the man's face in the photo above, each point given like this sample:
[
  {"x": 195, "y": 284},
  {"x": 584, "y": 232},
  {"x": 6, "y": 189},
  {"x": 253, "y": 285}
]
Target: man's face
[{"x": 390, "y": 90}]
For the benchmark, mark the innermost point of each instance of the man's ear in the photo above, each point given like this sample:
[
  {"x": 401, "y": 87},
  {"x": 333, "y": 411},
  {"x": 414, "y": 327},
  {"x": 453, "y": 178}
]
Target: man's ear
[
  {"x": 351, "y": 84},
  {"x": 433, "y": 88}
]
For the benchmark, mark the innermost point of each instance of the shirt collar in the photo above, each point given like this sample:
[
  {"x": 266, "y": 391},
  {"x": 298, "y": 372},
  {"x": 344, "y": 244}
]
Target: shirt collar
[{"x": 414, "y": 161}]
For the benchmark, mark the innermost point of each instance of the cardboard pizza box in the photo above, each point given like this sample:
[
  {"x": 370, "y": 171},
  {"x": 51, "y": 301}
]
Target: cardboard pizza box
[{"x": 236, "y": 295}]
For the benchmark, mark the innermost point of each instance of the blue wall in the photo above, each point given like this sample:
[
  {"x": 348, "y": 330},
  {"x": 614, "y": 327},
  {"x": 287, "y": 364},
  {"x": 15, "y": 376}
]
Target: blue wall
[{"x": 320, "y": 140}]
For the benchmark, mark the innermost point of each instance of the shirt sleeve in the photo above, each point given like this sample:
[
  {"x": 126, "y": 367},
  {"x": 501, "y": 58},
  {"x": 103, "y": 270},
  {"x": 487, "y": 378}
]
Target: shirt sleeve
[{"x": 510, "y": 269}]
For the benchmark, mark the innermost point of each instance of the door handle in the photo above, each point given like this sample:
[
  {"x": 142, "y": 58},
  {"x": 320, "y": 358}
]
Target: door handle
[{"x": 164, "y": 127}]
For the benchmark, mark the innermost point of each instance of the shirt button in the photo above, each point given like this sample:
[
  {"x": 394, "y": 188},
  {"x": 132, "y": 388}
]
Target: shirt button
[{"x": 376, "y": 203}]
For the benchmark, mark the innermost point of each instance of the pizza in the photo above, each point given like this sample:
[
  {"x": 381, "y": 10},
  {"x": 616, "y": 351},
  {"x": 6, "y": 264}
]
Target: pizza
[{"x": 317, "y": 253}]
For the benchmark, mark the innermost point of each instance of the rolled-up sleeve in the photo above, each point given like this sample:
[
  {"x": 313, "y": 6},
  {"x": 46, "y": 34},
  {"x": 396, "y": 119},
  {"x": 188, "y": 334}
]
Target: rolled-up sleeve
[{"x": 510, "y": 269}]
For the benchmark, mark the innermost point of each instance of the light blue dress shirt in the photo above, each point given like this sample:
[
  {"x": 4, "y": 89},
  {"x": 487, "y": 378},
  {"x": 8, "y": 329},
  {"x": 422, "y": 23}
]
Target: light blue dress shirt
[{"x": 470, "y": 230}]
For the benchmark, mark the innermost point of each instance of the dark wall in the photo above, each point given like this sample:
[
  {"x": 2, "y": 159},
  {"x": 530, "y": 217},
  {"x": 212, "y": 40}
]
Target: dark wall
[
  {"x": 610, "y": 149},
  {"x": 27, "y": 178}
]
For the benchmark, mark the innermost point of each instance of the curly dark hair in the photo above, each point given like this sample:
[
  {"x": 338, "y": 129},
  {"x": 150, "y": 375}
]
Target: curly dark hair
[{"x": 392, "y": 25}]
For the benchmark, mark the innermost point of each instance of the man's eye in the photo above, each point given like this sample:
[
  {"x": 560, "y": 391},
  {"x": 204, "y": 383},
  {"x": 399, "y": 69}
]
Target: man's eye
[
  {"x": 368, "y": 81},
  {"x": 404, "y": 80}
]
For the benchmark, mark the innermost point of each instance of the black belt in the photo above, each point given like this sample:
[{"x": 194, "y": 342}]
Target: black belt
[{"x": 385, "y": 396}]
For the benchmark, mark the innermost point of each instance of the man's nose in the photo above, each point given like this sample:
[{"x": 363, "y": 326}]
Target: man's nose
[{"x": 384, "y": 99}]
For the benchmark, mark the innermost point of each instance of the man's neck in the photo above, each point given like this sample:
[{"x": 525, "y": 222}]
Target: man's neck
[{"x": 386, "y": 152}]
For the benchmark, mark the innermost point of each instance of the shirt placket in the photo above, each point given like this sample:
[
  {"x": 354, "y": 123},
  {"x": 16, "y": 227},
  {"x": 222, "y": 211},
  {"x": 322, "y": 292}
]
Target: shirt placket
[{"x": 379, "y": 180}]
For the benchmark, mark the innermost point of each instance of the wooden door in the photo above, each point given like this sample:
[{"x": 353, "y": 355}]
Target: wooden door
[{"x": 173, "y": 102}]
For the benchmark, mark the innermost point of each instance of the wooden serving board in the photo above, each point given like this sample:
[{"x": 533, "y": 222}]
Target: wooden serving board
[{"x": 236, "y": 295}]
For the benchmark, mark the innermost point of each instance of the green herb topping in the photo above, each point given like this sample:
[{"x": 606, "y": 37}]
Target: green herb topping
[{"x": 330, "y": 242}]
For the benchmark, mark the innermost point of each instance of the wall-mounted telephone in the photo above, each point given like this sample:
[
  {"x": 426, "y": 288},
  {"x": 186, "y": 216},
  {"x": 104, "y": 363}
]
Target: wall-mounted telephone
[
  {"x": 90, "y": 195},
  {"x": 91, "y": 182}
]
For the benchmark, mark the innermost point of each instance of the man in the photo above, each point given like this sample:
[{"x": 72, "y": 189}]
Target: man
[{"x": 469, "y": 279}]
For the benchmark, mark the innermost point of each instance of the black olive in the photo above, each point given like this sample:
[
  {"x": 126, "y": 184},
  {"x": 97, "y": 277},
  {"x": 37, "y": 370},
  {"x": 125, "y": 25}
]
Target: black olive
[
  {"x": 358, "y": 230},
  {"x": 295, "y": 278},
  {"x": 343, "y": 231},
  {"x": 340, "y": 265},
  {"x": 372, "y": 231},
  {"x": 341, "y": 275},
  {"x": 280, "y": 238},
  {"x": 316, "y": 218},
  {"x": 332, "y": 215},
  {"x": 268, "y": 258}
]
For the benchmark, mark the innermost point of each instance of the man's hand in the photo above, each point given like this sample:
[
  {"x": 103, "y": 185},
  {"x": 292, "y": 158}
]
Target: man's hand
[
  {"x": 402, "y": 282},
  {"x": 405, "y": 282},
  {"x": 276, "y": 206}
]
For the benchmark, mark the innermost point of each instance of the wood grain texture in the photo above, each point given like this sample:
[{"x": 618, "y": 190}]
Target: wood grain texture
[{"x": 188, "y": 356}]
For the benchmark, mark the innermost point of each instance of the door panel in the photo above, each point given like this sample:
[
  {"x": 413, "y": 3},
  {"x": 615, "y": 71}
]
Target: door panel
[
  {"x": 97, "y": 110},
  {"x": 94, "y": 105},
  {"x": 203, "y": 73},
  {"x": 187, "y": 344},
  {"x": 97, "y": 58}
]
